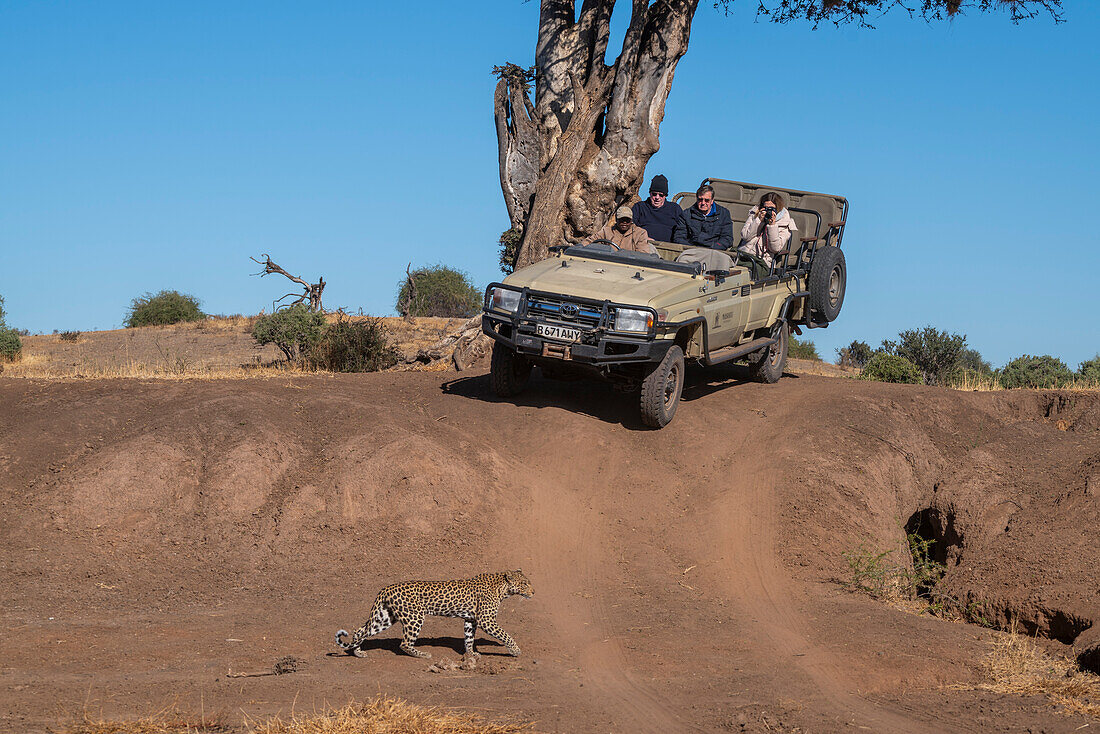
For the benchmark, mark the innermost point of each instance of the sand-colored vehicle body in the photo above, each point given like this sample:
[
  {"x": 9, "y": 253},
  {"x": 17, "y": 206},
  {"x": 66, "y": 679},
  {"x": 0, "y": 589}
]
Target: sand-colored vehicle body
[{"x": 596, "y": 310}]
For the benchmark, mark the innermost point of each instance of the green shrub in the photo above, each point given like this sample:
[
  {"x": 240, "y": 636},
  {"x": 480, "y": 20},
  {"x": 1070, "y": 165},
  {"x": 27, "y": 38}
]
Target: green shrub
[
  {"x": 935, "y": 353},
  {"x": 10, "y": 343},
  {"x": 799, "y": 349},
  {"x": 856, "y": 354},
  {"x": 354, "y": 346},
  {"x": 886, "y": 367},
  {"x": 1, "y": 310},
  {"x": 294, "y": 330},
  {"x": 166, "y": 307},
  {"x": 1090, "y": 369},
  {"x": 971, "y": 360},
  {"x": 509, "y": 248},
  {"x": 1029, "y": 371},
  {"x": 438, "y": 291},
  {"x": 970, "y": 369}
]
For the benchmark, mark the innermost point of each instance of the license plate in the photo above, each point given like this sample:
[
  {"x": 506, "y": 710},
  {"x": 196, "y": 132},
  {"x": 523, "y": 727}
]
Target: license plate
[{"x": 560, "y": 333}]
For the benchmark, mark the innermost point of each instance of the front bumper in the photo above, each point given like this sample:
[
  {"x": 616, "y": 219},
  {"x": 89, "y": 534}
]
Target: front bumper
[{"x": 594, "y": 348}]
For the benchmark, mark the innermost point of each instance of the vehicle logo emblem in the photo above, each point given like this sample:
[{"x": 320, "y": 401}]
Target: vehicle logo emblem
[{"x": 569, "y": 311}]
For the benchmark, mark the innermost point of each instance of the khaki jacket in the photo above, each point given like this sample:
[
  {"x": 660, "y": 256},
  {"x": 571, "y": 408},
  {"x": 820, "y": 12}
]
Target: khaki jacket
[
  {"x": 637, "y": 239},
  {"x": 778, "y": 235}
]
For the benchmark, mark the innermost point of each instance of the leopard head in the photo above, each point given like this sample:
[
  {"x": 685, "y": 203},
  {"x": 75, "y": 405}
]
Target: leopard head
[{"x": 518, "y": 584}]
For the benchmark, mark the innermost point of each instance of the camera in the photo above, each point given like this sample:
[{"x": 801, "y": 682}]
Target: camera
[{"x": 769, "y": 214}]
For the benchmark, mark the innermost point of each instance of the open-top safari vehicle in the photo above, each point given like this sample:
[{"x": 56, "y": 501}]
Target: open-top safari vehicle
[{"x": 634, "y": 318}]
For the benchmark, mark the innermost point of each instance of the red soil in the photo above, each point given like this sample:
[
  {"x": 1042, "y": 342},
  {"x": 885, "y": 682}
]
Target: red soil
[{"x": 158, "y": 535}]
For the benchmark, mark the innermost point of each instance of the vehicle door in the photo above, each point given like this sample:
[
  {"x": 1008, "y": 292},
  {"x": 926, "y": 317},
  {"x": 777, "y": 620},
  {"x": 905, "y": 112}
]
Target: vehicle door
[{"x": 725, "y": 309}]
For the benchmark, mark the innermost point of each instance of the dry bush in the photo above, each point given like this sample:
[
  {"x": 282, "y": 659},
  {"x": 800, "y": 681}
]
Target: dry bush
[
  {"x": 385, "y": 715},
  {"x": 363, "y": 345},
  {"x": 1017, "y": 666}
]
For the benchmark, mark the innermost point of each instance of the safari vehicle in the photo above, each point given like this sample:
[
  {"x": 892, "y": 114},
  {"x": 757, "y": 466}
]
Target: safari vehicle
[{"x": 634, "y": 318}]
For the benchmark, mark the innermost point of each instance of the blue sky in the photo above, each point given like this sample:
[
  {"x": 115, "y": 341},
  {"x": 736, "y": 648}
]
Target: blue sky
[{"x": 158, "y": 145}]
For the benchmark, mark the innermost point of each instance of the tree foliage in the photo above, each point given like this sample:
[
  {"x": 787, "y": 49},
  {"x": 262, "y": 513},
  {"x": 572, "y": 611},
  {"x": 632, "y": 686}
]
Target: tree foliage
[
  {"x": 856, "y": 354},
  {"x": 861, "y": 12},
  {"x": 10, "y": 343},
  {"x": 936, "y": 353},
  {"x": 803, "y": 349},
  {"x": 510, "y": 240},
  {"x": 438, "y": 291},
  {"x": 1029, "y": 371},
  {"x": 294, "y": 330},
  {"x": 166, "y": 307},
  {"x": 1090, "y": 369},
  {"x": 886, "y": 367}
]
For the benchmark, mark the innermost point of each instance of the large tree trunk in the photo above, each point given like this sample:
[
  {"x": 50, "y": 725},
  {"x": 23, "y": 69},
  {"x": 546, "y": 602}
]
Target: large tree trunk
[{"x": 580, "y": 150}]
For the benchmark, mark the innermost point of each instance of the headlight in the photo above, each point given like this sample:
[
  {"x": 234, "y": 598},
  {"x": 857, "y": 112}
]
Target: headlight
[
  {"x": 506, "y": 299},
  {"x": 631, "y": 319}
]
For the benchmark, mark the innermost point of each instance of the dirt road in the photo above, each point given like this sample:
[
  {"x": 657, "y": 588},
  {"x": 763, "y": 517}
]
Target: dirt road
[{"x": 160, "y": 535}]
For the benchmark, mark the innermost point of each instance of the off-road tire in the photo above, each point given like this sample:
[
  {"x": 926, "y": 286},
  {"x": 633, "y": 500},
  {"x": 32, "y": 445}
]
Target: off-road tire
[
  {"x": 828, "y": 279},
  {"x": 661, "y": 389},
  {"x": 508, "y": 372},
  {"x": 766, "y": 365}
]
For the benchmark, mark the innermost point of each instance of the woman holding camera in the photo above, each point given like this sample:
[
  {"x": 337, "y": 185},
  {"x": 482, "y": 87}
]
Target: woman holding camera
[{"x": 768, "y": 229}]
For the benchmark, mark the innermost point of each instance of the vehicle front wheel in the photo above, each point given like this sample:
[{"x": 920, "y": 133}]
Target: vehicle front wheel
[
  {"x": 508, "y": 371},
  {"x": 766, "y": 365},
  {"x": 661, "y": 389}
]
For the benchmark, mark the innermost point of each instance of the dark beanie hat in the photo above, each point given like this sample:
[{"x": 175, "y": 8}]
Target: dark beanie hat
[{"x": 660, "y": 184}]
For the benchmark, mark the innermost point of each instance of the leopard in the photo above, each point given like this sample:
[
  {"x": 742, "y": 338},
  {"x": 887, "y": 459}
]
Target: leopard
[{"x": 475, "y": 600}]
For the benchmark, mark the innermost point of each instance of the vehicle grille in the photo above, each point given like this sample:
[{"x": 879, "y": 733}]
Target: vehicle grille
[{"x": 587, "y": 317}]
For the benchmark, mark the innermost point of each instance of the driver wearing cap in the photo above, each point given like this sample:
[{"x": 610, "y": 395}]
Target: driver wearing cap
[{"x": 624, "y": 234}]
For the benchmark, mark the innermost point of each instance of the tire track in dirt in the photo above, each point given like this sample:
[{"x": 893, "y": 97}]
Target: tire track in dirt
[
  {"x": 571, "y": 555},
  {"x": 743, "y": 525}
]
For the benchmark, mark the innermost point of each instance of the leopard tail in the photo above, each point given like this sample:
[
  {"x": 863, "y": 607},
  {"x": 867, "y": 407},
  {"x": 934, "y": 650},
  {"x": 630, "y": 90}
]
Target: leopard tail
[{"x": 379, "y": 619}]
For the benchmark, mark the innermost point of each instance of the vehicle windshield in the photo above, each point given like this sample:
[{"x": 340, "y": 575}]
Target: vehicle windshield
[{"x": 629, "y": 257}]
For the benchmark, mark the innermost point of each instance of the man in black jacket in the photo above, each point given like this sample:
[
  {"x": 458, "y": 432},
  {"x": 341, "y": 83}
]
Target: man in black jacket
[
  {"x": 706, "y": 224},
  {"x": 657, "y": 215}
]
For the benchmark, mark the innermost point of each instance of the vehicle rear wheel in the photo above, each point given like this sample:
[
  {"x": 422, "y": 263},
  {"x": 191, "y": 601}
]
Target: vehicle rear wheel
[
  {"x": 508, "y": 371},
  {"x": 661, "y": 389},
  {"x": 767, "y": 365},
  {"x": 828, "y": 278}
]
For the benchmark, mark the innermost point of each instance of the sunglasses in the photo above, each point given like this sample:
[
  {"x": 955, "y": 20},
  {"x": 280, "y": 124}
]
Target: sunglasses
[{"x": 657, "y": 193}]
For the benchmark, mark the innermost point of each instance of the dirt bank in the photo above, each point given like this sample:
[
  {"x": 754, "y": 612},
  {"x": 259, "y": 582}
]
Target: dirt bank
[{"x": 159, "y": 535}]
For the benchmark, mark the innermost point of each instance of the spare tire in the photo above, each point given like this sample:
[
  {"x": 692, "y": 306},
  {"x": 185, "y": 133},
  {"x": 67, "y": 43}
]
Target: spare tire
[{"x": 828, "y": 278}]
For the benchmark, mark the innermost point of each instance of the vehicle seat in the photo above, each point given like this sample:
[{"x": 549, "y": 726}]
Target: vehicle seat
[{"x": 710, "y": 259}]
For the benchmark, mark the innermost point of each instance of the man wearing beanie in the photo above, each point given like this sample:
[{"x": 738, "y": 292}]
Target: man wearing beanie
[
  {"x": 657, "y": 215},
  {"x": 624, "y": 234}
]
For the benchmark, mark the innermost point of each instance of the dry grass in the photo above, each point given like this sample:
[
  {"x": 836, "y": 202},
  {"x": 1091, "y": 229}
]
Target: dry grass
[
  {"x": 385, "y": 715},
  {"x": 168, "y": 721},
  {"x": 216, "y": 348},
  {"x": 819, "y": 367},
  {"x": 41, "y": 366},
  {"x": 1017, "y": 666},
  {"x": 382, "y": 715}
]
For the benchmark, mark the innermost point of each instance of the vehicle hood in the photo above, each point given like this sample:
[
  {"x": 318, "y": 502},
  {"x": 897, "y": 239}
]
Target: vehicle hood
[{"x": 600, "y": 280}]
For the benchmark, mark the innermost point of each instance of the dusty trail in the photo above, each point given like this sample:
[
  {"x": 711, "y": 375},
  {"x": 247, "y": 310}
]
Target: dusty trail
[{"x": 680, "y": 575}]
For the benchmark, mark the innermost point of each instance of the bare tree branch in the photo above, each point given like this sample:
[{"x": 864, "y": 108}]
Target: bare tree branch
[{"x": 311, "y": 294}]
